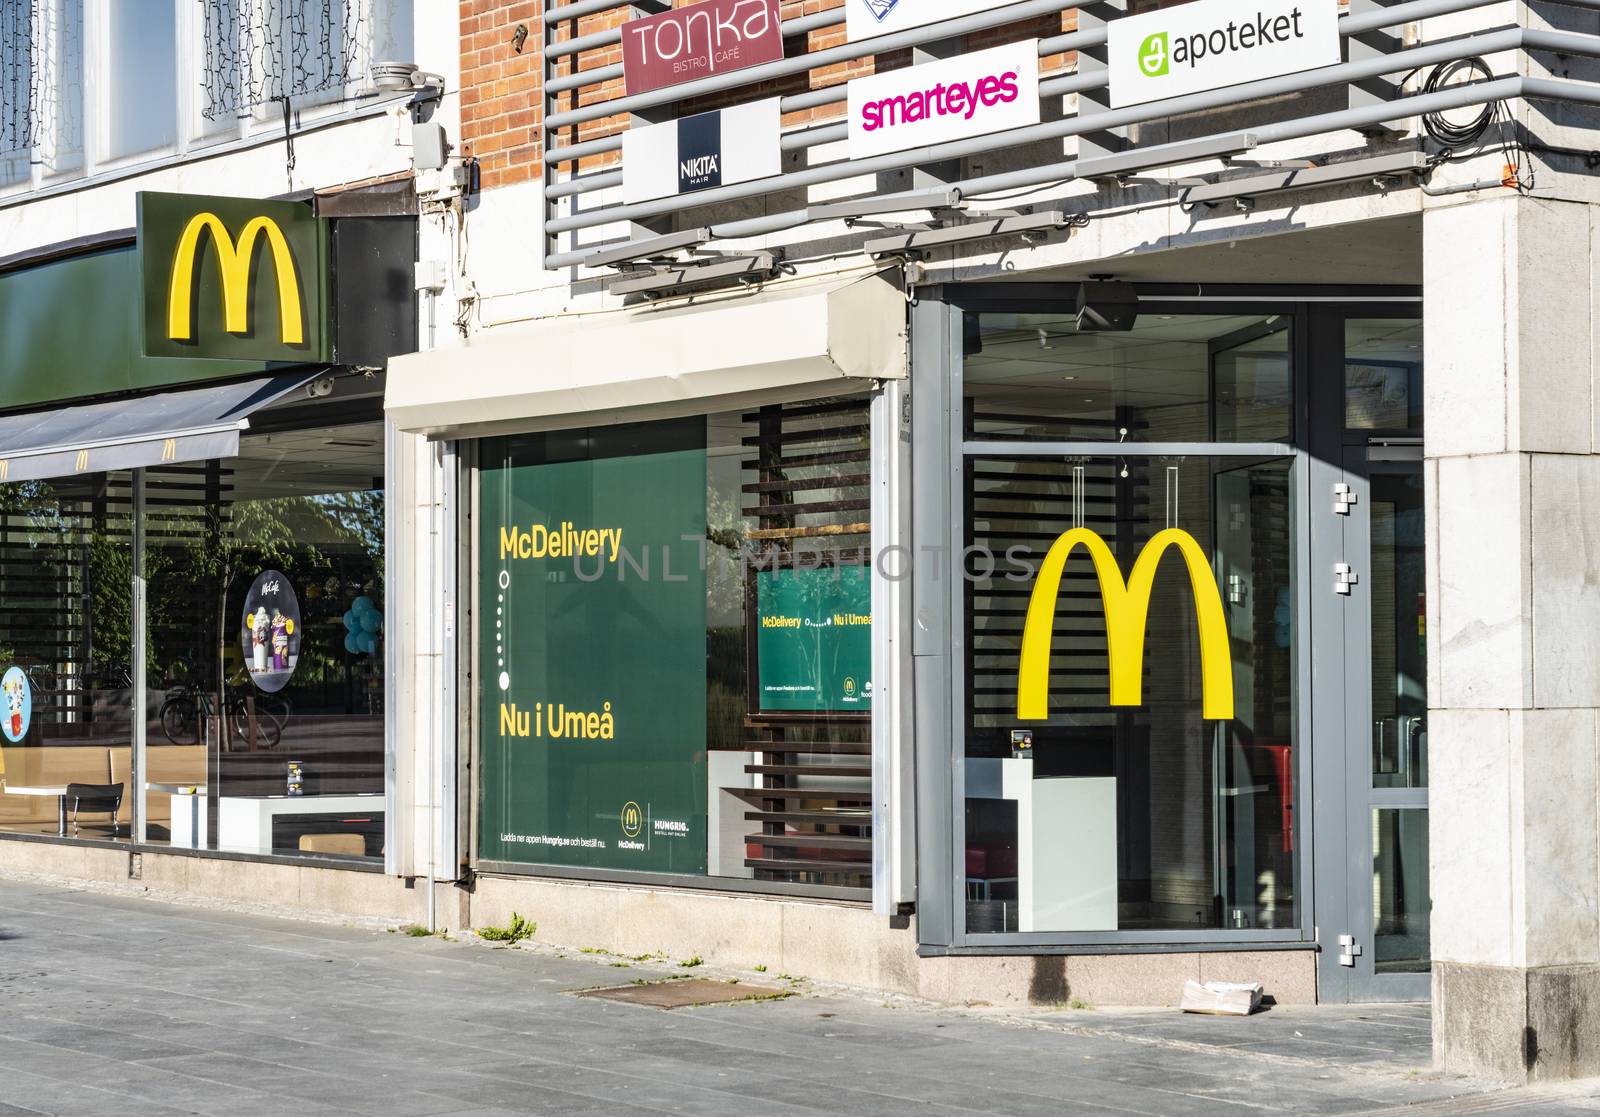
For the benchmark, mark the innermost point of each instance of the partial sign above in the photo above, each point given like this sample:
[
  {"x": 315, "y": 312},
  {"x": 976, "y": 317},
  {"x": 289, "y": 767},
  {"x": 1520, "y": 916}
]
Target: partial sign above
[
  {"x": 866, "y": 19},
  {"x": 701, "y": 152},
  {"x": 713, "y": 37},
  {"x": 1211, "y": 44},
  {"x": 954, "y": 98}
]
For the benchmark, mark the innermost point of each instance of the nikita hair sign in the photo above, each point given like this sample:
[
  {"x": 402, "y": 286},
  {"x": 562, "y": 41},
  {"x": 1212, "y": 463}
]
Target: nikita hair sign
[
  {"x": 712, "y": 149},
  {"x": 1216, "y": 43},
  {"x": 954, "y": 98},
  {"x": 713, "y": 37}
]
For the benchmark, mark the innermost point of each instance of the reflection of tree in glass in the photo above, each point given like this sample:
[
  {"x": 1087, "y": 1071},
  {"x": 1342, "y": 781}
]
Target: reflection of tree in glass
[{"x": 229, "y": 544}]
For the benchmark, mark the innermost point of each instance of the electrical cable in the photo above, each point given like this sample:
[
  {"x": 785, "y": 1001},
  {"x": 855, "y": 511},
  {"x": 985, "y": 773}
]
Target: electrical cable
[{"x": 1442, "y": 129}]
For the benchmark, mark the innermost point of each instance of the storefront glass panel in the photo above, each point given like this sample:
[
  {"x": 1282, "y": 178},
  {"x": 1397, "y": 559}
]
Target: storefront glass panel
[
  {"x": 1168, "y": 805},
  {"x": 1383, "y": 374},
  {"x": 264, "y": 678},
  {"x": 674, "y": 648},
  {"x": 1172, "y": 378},
  {"x": 66, "y": 646}
]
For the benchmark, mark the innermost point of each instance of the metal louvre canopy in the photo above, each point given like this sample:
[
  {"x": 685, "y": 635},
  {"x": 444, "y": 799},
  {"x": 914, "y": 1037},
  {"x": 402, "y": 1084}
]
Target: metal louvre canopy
[
  {"x": 583, "y": 208},
  {"x": 186, "y": 426},
  {"x": 787, "y": 342}
]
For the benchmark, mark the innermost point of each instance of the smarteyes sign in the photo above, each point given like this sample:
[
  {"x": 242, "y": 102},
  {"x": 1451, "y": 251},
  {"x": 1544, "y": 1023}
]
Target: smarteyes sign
[
  {"x": 954, "y": 98},
  {"x": 1216, "y": 43}
]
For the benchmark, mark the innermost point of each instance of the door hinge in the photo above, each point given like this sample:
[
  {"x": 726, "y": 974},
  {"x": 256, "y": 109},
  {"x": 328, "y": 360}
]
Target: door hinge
[
  {"x": 1349, "y": 950},
  {"x": 1344, "y": 578},
  {"x": 1344, "y": 499}
]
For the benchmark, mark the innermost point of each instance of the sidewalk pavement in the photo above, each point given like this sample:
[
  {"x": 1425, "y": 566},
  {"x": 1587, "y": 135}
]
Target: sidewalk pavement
[{"x": 111, "y": 1004}]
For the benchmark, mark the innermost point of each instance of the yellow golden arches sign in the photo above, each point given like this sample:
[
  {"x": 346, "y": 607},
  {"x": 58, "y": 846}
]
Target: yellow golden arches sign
[
  {"x": 169, "y": 450},
  {"x": 233, "y": 260},
  {"x": 1127, "y": 610}
]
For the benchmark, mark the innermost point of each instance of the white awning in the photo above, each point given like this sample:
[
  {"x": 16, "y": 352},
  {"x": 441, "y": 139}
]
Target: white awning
[{"x": 786, "y": 342}]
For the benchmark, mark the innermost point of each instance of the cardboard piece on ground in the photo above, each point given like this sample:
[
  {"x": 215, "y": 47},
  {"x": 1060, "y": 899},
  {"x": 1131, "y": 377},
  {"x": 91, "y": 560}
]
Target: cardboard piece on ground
[{"x": 1221, "y": 998}]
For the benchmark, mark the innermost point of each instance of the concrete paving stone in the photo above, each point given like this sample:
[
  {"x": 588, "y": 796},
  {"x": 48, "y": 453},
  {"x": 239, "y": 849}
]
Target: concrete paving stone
[{"x": 231, "y": 1014}]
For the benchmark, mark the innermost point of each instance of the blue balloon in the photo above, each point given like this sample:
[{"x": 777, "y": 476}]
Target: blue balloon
[
  {"x": 351, "y": 621},
  {"x": 369, "y": 642},
  {"x": 371, "y": 622},
  {"x": 352, "y": 643},
  {"x": 363, "y": 604}
]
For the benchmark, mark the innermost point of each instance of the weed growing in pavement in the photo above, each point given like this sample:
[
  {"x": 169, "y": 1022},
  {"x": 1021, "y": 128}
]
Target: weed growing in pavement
[
  {"x": 518, "y": 930},
  {"x": 691, "y": 963}
]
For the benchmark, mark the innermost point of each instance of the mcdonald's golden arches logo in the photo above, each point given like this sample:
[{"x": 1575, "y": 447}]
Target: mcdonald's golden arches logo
[
  {"x": 169, "y": 450},
  {"x": 83, "y": 461},
  {"x": 5, "y": 470},
  {"x": 234, "y": 263},
  {"x": 632, "y": 820},
  {"x": 1127, "y": 612}
]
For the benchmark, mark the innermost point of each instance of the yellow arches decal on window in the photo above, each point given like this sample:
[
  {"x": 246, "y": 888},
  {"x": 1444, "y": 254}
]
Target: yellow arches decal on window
[
  {"x": 1127, "y": 611},
  {"x": 233, "y": 262}
]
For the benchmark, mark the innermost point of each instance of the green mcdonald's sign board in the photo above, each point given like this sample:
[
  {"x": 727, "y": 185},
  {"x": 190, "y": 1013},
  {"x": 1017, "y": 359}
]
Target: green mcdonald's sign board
[
  {"x": 814, "y": 640},
  {"x": 592, "y": 646}
]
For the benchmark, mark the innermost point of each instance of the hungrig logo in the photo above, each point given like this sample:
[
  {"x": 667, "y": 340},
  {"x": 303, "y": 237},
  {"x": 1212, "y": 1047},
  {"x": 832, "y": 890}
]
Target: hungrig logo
[{"x": 1157, "y": 55}]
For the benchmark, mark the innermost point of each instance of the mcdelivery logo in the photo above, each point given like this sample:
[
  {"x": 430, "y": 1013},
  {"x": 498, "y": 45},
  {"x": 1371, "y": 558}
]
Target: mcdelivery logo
[{"x": 1159, "y": 52}]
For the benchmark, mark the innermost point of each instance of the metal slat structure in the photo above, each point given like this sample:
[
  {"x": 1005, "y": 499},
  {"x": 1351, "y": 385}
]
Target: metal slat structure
[{"x": 586, "y": 113}]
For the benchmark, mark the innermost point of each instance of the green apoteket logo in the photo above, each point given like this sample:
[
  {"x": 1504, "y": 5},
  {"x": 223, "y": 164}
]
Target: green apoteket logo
[{"x": 1154, "y": 58}]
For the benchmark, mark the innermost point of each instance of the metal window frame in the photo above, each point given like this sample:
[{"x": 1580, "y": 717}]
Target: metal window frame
[
  {"x": 893, "y": 810},
  {"x": 940, "y": 450}
]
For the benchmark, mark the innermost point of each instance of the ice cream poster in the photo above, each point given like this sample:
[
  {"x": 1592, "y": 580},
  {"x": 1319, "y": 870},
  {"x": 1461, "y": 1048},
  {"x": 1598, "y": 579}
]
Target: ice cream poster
[
  {"x": 271, "y": 631},
  {"x": 18, "y": 706}
]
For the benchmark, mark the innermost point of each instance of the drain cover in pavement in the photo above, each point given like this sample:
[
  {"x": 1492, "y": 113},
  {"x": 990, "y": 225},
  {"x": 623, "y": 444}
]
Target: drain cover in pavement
[{"x": 685, "y": 994}]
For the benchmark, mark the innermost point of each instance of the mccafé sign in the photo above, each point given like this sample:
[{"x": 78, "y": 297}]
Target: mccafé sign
[
  {"x": 713, "y": 37},
  {"x": 233, "y": 278},
  {"x": 1127, "y": 611},
  {"x": 954, "y": 98}
]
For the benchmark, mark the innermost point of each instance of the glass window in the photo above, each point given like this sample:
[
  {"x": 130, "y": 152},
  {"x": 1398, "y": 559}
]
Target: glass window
[
  {"x": 265, "y": 673},
  {"x": 1401, "y": 906},
  {"x": 1383, "y": 374},
  {"x": 1130, "y": 752},
  {"x": 16, "y": 90},
  {"x": 1399, "y": 627},
  {"x": 674, "y": 627},
  {"x": 66, "y": 645},
  {"x": 141, "y": 68},
  {"x": 57, "y": 98},
  {"x": 255, "y": 53},
  {"x": 1172, "y": 378}
]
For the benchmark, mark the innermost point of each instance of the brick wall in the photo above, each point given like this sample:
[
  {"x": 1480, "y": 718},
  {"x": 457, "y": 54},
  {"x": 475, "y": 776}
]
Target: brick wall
[{"x": 500, "y": 104}]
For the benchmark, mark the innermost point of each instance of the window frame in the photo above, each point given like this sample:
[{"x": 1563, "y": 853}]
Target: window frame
[{"x": 947, "y": 931}]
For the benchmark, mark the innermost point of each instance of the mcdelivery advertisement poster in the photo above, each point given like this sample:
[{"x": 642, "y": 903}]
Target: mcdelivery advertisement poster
[{"x": 592, "y": 607}]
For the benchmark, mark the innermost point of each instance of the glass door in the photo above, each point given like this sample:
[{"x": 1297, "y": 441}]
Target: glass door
[{"x": 1385, "y": 940}]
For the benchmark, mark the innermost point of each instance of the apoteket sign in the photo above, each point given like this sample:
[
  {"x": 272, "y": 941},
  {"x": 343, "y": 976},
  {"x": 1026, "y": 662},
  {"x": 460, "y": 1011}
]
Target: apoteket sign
[
  {"x": 1212, "y": 44},
  {"x": 699, "y": 41}
]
